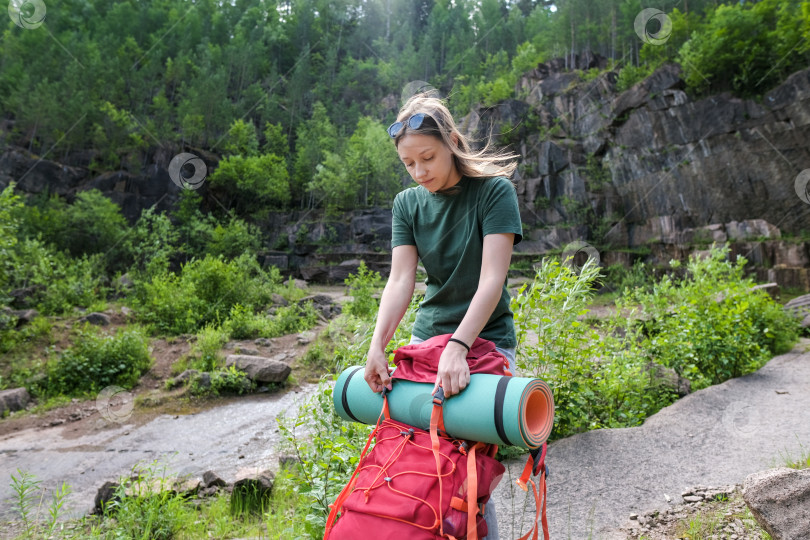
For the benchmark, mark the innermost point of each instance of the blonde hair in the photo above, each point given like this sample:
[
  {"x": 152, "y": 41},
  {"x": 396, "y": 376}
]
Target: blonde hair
[{"x": 483, "y": 163}]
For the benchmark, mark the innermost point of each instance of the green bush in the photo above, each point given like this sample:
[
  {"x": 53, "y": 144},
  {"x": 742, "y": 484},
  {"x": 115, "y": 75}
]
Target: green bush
[
  {"x": 204, "y": 293},
  {"x": 59, "y": 282},
  {"x": 709, "y": 325},
  {"x": 205, "y": 352},
  {"x": 92, "y": 224},
  {"x": 596, "y": 380},
  {"x": 146, "y": 506},
  {"x": 10, "y": 206},
  {"x": 242, "y": 323},
  {"x": 362, "y": 286},
  {"x": 151, "y": 243},
  {"x": 746, "y": 47},
  {"x": 96, "y": 361}
]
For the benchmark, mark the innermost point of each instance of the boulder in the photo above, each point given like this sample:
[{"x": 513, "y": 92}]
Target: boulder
[
  {"x": 212, "y": 479},
  {"x": 259, "y": 368},
  {"x": 14, "y": 399},
  {"x": 779, "y": 500},
  {"x": 799, "y": 307},
  {"x": 95, "y": 318},
  {"x": 251, "y": 481},
  {"x": 18, "y": 317},
  {"x": 104, "y": 496},
  {"x": 181, "y": 379}
]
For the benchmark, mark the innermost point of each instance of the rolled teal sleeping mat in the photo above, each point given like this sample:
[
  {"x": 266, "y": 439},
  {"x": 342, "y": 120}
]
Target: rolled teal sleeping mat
[{"x": 517, "y": 411}]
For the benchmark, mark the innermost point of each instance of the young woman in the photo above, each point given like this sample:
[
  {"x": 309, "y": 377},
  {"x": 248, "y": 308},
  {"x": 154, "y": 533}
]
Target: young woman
[{"x": 461, "y": 221}]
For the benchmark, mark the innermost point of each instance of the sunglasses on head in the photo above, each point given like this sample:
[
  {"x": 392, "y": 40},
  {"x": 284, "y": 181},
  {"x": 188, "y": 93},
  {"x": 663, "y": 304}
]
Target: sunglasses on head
[{"x": 413, "y": 123}]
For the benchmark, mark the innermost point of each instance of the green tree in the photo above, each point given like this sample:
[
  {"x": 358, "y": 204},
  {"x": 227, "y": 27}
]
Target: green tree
[
  {"x": 315, "y": 138},
  {"x": 241, "y": 139},
  {"x": 252, "y": 183}
]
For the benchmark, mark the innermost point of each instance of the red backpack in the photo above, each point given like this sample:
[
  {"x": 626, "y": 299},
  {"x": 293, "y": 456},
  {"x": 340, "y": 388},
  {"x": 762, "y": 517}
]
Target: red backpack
[{"x": 426, "y": 485}]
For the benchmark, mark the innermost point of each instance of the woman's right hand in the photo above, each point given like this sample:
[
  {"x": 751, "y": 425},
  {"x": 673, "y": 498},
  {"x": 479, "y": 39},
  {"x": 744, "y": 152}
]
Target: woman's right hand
[{"x": 378, "y": 373}]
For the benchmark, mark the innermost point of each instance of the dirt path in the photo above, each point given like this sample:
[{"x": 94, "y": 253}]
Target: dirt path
[{"x": 716, "y": 436}]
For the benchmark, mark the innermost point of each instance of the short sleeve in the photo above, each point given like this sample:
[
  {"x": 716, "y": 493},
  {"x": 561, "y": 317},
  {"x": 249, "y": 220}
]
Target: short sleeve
[
  {"x": 401, "y": 223},
  {"x": 499, "y": 209}
]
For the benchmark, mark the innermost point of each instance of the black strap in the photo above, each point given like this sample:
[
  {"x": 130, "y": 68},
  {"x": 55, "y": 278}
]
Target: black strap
[
  {"x": 500, "y": 394},
  {"x": 345, "y": 398}
]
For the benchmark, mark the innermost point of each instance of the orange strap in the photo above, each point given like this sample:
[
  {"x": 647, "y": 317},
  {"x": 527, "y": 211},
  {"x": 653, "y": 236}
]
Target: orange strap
[
  {"x": 435, "y": 418},
  {"x": 472, "y": 495},
  {"x": 540, "y": 505}
]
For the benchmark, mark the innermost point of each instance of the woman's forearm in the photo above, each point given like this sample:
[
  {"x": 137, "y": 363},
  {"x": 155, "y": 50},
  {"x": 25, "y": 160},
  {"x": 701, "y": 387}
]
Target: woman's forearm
[
  {"x": 396, "y": 295},
  {"x": 481, "y": 307},
  {"x": 394, "y": 303}
]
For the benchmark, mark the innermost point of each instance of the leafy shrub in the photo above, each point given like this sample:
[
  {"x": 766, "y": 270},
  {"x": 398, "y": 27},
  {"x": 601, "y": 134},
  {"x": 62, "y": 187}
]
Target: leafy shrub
[
  {"x": 59, "y": 282},
  {"x": 252, "y": 182},
  {"x": 146, "y": 506},
  {"x": 746, "y": 47},
  {"x": 96, "y": 361},
  {"x": 223, "y": 381},
  {"x": 362, "y": 286},
  {"x": 205, "y": 352},
  {"x": 231, "y": 381},
  {"x": 328, "y": 450},
  {"x": 242, "y": 323},
  {"x": 203, "y": 293},
  {"x": 151, "y": 243},
  {"x": 709, "y": 326},
  {"x": 595, "y": 381},
  {"x": 10, "y": 205},
  {"x": 92, "y": 224}
]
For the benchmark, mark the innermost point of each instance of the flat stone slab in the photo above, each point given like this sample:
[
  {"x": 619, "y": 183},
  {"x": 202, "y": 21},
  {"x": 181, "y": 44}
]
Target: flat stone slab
[{"x": 716, "y": 436}]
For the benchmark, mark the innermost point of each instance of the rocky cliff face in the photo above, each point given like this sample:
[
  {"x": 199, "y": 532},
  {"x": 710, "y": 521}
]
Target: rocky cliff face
[
  {"x": 648, "y": 170},
  {"x": 650, "y": 164}
]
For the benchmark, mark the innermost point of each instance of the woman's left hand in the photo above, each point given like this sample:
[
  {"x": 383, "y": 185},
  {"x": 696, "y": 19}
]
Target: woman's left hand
[{"x": 454, "y": 372}]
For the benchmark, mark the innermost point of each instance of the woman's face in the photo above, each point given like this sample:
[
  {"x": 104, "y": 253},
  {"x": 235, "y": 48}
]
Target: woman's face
[{"x": 429, "y": 161}]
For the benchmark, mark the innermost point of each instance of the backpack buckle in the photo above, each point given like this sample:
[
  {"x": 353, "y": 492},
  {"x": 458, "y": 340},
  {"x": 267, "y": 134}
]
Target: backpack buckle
[
  {"x": 539, "y": 460},
  {"x": 438, "y": 397}
]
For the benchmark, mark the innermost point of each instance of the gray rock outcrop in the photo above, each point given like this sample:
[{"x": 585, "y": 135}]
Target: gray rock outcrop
[
  {"x": 15, "y": 399},
  {"x": 95, "y": 318},
  {"x": 259, "y": 368},
  {"x": 779, "y": 499}
]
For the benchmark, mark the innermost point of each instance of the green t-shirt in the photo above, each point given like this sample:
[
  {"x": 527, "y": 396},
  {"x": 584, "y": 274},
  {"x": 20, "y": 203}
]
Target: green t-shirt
[{"x": 448, "y": 232}]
